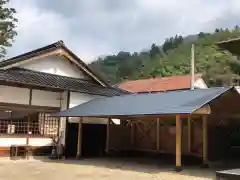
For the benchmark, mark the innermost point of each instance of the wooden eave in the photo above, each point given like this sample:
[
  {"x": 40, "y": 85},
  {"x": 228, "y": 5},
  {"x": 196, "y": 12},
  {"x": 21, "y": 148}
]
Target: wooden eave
[
  {"x": 231, "y": 45},
  {"x": 205, "y": 110}
]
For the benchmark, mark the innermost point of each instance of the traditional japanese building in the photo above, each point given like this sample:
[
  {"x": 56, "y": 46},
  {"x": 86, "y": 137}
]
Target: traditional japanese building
[{"x": 37, "y": 83}]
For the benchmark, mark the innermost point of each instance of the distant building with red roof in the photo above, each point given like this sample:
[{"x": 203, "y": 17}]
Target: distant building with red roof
[{"x": 158, "y": 84}]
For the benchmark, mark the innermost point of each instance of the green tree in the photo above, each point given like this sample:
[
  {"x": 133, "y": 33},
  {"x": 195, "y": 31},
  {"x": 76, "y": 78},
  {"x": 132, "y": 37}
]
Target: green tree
[
  {"x": 7, "y": 26},
  {"x": 218, "y": 67},
  {"x": 154, "y": 51}
]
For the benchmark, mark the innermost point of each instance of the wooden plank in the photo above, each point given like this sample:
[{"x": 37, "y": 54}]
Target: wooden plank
[
  {"x": 132, "y": 133},
  {"x": 79, "y": 142},
  {"x": 28, "y": 129},
  {"x": 43, "y": 114},
  {"x": 23, "y": 107},
  {"x": 66, "y": 126},
  {"x": 30, "y": 97},
  {"x": 51, "y": 53},
  {"x": 206, "y": 109},
  {"x": 189, "y": 134},
  {"x": 158, "y": 134},
  {"x": 205, "y": 140},
  {"x": 108, "y": 135},
  {"x": 178, "y": 142},
  {"x": 68, "y": 56},
  {"x": 136, "y": 118},
  {"x": 147, "y": 131},
  {"x": 5, "y": 152}
]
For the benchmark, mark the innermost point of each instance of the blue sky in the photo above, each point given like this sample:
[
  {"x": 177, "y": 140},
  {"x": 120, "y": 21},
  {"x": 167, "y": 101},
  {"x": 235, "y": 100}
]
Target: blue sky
[{"x": 98, "y": 27}]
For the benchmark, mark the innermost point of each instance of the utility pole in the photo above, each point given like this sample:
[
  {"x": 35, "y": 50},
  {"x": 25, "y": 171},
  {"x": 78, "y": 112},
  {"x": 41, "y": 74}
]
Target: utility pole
[{"x": 192, "y": 67}]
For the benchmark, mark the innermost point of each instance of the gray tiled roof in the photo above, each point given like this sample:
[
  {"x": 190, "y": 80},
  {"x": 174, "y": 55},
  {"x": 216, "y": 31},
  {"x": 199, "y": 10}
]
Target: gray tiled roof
[
  {"x": 46, "y": 49},
  {"x": 173, "y": 102},
  {"x": 45, "y": 80}
]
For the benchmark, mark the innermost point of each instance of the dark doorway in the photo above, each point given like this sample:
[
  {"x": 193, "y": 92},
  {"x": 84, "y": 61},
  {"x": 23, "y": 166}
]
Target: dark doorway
[
  {"x": 219, "y": 142},
  {"x": 71, "y": 140},
  {"x": 93, "y": 140}
]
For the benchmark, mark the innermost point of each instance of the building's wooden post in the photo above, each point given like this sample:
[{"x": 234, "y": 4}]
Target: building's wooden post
[
  {"x": 28, "y": 130},
  {"x": 108, "y": 135},
  {"x": 205, "y": 141},
  {"x": 66, "y": 138},
  {"x": 79, "y": 141},
  {"x": 189, "y": 134},
  {"x": 27, "y": 139},
  {"x": 158, "y": 134},
  {"x": 132, "y": 134},
  {"x": 178, "y": 143}
]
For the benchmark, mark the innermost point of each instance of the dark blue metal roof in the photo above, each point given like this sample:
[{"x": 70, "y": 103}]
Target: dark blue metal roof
[{"x": 162, "y": 103}]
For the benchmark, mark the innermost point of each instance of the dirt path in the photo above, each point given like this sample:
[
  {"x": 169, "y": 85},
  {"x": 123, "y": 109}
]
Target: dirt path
[{"x": 94, "y": 170}]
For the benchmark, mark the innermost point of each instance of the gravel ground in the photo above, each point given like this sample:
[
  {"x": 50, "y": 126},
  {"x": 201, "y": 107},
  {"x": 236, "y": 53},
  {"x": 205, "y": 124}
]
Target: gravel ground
[{"x": 95, "y": 169}]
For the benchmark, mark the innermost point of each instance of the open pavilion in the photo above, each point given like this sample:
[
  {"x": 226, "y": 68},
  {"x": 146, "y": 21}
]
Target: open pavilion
[{"x": 177, "y": 122}]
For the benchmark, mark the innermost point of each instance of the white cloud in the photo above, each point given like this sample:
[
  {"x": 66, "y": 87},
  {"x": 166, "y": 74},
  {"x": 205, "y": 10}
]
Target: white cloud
[{"x": 97, "y": 27}]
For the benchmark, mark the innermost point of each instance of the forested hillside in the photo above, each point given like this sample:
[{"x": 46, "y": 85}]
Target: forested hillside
[{"x": 173, "y": 58}]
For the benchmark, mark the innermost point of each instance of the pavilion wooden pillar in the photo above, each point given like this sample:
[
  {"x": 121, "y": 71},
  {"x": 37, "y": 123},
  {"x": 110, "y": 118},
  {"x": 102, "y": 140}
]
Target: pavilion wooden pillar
[
  {"x": 189, "y": 134},
  {"x": 205, "y": 140},
  {"x": 108, "y": 135},
  {"x": 178, "y": 144},
  {"x": 79, "y": 141},
  {"x": 158, "y": 134},
  {"x": 132, "y": 134}
]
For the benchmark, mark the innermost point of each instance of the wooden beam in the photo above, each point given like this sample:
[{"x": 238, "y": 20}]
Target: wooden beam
[
  {"x": 178, "y": 143},
  {"x": 205, "y": 140},
  {"x": 189, "y": 133},
  {"x": 68, "y": 56},
  {"x": 158, "y": 134},
  {"x": 108, "y": 135},
  {"x": 137, "y": 118},
  {"x": 79, "y": 142},
  {"x": 51, "y": 53},
  {"x": 23, "y": 107},
  {"x": 145, "y": 131},
  {"x": 66, "y": 126},
  {"x": 132, "y": 133},
  {"x": 30, "y": 97},
  {"x": 206, "y": 109},
  {"x": 44, "y": 118},
  {"x": 28, "y": 129}
]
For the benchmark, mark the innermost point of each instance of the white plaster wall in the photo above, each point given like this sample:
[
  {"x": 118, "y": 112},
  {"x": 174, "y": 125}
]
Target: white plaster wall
[
  {"x": 200, "y": 83},
  {"x": 53, "y": 65},
  {"x": 16, "y": 95},
  {"x": 8, "y": 142},
  {"x": 45, "y": 98},
  {"x": 40, "y": 142},
  {"x": 80, "y": 98}
]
